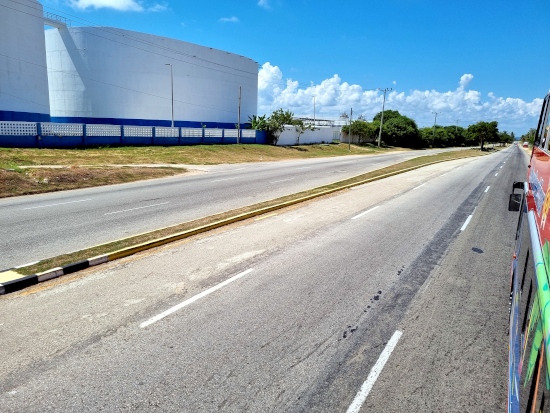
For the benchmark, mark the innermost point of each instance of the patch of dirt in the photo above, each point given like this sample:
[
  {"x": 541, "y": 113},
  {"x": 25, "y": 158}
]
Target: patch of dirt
[{"x": 24, "y": 182}]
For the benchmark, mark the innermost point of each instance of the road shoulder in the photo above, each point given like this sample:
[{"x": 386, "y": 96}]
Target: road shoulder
[{"x": 453, "y": 352}]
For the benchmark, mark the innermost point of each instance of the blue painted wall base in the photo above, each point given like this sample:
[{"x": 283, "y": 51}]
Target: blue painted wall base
[
  {"x": 11, "y": 116},
  {"x": 8, "y": 141}
]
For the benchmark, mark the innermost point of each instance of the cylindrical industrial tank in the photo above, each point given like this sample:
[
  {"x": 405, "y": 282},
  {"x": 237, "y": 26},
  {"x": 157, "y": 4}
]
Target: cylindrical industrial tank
[
  {"x": 23, "y": 70},
  {"x": 109, "y": 75}
]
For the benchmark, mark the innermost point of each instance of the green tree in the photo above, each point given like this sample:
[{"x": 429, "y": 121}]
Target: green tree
[
  {"x": 301, "y": 127},
  {"x": 401, "y": 131},
  {"x": 529, "y": 136},
  {"x": 505, "y": 138},
  {"x": 426, "y": 137},
  {"x": 365, "y": 131},
  {"x": 257, "y": 122},
  {"x": 484, "y": 132},
  {"x": 388, "y": 114},
  {"x": 276, "y": 123}
]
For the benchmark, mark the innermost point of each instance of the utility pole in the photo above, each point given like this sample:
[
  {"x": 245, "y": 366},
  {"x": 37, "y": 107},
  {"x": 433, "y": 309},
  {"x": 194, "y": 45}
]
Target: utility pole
[
  {"x": 435, "y": 113},
  {"x": 383, "y": 105},
  {"x": 172, "y": 82},
  {"x": 349, "y": 134},
  {"x": 456, "y": 129},
  {"x": 313, "y": 110},
  {"x": 239, "y": 124}
]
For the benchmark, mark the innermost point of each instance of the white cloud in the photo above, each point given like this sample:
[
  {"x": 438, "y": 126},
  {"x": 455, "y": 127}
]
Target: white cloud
[
  {"x": 264, "y": 4},
  {"x": 465, "y": 80},
  {"x": 158, "y": 8},
  {"x": 231, "y": 19},
  {"x": 121, "y": 5},
  {"x": 394, "y": 83},
  {"x": 335, "y": 97}
]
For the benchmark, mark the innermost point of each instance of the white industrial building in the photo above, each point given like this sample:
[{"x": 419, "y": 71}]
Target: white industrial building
[
  {"x": 23, "y": 75},
  {"x": 109, "y": 75},
  {"x": 114, "y": 76}
]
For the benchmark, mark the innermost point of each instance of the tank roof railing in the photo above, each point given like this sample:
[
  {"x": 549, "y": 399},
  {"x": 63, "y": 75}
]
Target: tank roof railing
[{"x": 55, "y": 20}]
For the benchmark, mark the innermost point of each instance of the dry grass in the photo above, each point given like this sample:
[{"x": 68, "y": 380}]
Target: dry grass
[
  {"x": 34, "y": 181},
  {"x": 193, "y": 155},
  {"x": 172, "y": 230}
]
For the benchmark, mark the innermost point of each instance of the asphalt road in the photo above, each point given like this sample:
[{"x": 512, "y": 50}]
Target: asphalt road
[
  {"x": 43, "y": 226},
  {"x": 289, "y": 312}
]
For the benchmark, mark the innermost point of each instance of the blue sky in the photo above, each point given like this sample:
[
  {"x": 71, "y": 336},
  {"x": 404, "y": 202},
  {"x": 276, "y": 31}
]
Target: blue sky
[{"x": 421, "y": 48}]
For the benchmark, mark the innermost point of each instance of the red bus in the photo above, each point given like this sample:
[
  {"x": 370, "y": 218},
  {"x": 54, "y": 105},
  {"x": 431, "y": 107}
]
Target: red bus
[{"x": 529, "y": 334}]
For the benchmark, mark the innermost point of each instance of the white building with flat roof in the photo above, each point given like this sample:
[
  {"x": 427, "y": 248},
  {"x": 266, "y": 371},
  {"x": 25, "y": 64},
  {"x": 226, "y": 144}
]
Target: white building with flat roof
[
  {"x": 23, "y": 74},
  {"x": 115, "y": 76}
]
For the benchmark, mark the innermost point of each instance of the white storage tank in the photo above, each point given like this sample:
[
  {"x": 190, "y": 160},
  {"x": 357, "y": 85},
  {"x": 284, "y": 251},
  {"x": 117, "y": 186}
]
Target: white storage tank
[
  {"x": 23, "y": 72},
  {"x": 109, "y": 75}
]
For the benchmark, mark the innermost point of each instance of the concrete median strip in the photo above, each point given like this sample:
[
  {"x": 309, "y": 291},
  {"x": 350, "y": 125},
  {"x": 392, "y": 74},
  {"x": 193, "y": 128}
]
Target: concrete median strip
[{"x": 11, "y": 280}]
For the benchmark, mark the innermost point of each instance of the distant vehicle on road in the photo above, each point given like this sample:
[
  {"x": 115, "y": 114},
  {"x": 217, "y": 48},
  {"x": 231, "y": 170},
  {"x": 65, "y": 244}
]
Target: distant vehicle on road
[{"x": 525, "y": 144}]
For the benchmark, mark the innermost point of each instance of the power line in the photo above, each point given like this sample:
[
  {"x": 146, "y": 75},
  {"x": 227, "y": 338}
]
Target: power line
[
  {"x": 27, "y": 100},
  {"x": 382, "y": 119},
  {"x": 149, "y": 51},
  {"x": 119, "y": 32},
  {"x": 110, "y": 84}
]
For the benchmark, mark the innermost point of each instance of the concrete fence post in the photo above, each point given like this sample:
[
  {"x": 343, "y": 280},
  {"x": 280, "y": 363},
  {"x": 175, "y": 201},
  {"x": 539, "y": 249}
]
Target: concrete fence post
[
  {"x": 84, "y": 134},
  {"x": 153, "y": 137},
  {"x": 38, "y": 134},
  {"x": 122, "y": 134},
  {"x": 179, "y": 136}
]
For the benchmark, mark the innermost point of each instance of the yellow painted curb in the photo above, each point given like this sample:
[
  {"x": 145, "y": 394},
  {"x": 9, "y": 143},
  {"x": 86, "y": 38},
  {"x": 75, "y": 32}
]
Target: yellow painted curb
[
  {"x": 9, "y": 276},
  {"x": 188, "y": 233},
  {"x": 185, "y": 234}
]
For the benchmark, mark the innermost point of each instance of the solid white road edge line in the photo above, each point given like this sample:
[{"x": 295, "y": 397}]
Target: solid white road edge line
[
  {"x": 27, "y": 265},
  {"x": 419, "y": 186},
  {"x": 133, "y": 209},
  {"x": 362, "y": 394},
  {"x": 444, "y": 174},
  {"x": 193, "y": 299},
  {"x": 62, "y": 203},
  {"x": 366, "y": 212},
  {"x": 466, "y": 223},
  {"x": 487, "y": 188}
]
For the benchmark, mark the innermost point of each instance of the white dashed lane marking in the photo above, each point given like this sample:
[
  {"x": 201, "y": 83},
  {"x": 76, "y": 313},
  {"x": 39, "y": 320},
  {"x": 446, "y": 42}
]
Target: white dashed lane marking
[
  {"x": 133, "y": 209},
  {"x": 362, "y": 394},
  {"x": 366, "y": 212},
  {"x": 193, "y": 299},
  {"x": 61, "y": 203},
  {"x": 466, "y": 223}
]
